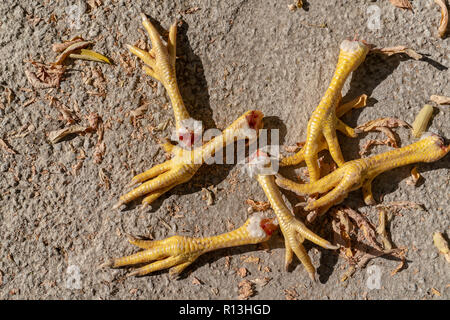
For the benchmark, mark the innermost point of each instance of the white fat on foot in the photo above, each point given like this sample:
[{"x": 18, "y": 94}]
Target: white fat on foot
[
  {"x": 246, "y": 132},
  {"x": 260, "y": 163},
  {"x": 254, "y": 226},
  {"x": 188, "y": 127},
  {"x": 352, "y": 45},
  {"x": 427, "y": 134}
]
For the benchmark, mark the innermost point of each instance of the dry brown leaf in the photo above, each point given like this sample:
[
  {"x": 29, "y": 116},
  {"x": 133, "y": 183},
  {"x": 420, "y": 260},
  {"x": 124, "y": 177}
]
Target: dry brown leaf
[
  {"x": 100, "y": 146},
  {"x": 67, "y": 114},
  {"x": 398, "y": 49},
  {"x": 400, "y": 254},
  {"x": 60, "y": 47},
  {"x": 383, "y": 122},
  {"x": 9, "y": 95},
  {"x": 44, "y": 76},
  {"x": 245, "y": 290},
  {"x": 258, "y": 205},
  {"x": 208, "y": 196},
  {"x": 415, "y": 177},
  {"x": 251, "y": 259},
  {"x": 444, "y": 18},
  {"x": 104, "y": 178},
  {"x": 58, "y": 135},
  {"x": 291, "y": 294},
  {"x": 442, "y": 245},
  {"x": 94, "y": 4},
  {"x": 76, "y": 167},
  {"x": 242, "y": 272},
  {"x": 71, "y": 49},
  {"x": 403, "y": 4},
  {"x": 368, "y": 144},
  {"x": 5, "y": 147},
  {"x": 99, "y": 152},
  {"x": 382, "y": 125},
  {"x": 440, "y": 99},
  {"x": 435, "y": 292},
  {"x": 192, "y": 10},
  {"x": 139, "y": 112},
  {"x": 261, "y": 281},
  {"x": 398, "y": 205}
]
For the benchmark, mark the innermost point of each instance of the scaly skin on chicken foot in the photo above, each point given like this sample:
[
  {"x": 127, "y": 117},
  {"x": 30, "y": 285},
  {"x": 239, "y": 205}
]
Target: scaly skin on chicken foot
[
  {"x": 342, "y": 109},
  {"x": 160, "y": 64},
  {"x": 324, "y": 122},
  {"x": 294, "y": 231},
  {"x": 179, "y": 252},
  {"x": 361, "y": 172},
  {"x": 185, "y": 163}
]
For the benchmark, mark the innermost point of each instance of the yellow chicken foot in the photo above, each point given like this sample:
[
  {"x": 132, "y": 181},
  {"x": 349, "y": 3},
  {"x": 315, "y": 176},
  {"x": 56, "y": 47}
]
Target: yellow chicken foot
[
  {"x": 185, "y": 163},
  {"x": 294, "y": 231},
  {"x": 324, "y": 122},
  {"x": 178, "y": 252},
  {"x": 360, "y": 173},
  {"x": 160, "y": 64},
  {"x": 342, "y": 109}
]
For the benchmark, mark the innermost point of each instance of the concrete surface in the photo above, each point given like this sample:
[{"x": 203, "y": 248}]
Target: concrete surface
[{"x": 56, "y": 227}]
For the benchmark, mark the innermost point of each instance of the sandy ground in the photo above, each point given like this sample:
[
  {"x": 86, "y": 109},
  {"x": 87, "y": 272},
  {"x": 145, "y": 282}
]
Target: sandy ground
[{"x": 57, "y": 226}]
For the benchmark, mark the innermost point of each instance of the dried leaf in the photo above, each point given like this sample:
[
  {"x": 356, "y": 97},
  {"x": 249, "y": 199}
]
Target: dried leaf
[
  {"x": 9, "y": 95},
  {"x": 192, "y": 10},
  {"x": 291, "y": 294},
  {"x": 382, "y": 122},
  {"x": 442, "y": 245},
  {"x": 58, "y": 135},
  {"x": 398, "y": 49},
  {"x": 45, "y": 76},
  {"x": 251, "y": 259},
  {"x": 415, "y": 177},
  {"x": 208, "y": 196},
  {"x": 258, "y": 205},
  {"x": 60, "y": 47},
  {"x": 435, "y": 292},
  {"x": 104, "y": 178},
  {"x": 242, "y": 272},
  {"x": 65, "y": 112},
  {"x": 398, "y": 205},
  {"x": 420, "y": 124},
  {"x": 91, "y": 55},
  {"x": 403, "y": 4},
  {"x": 440, "y": 99},
  {"x": 71, "y": 49},
  {"x": 400, "y": 254},
  {"x": 139, "y": 112},
  {"x": 245, "y": 290},
  {"x": 196, "y": 281},
  {"x": 292, "y": 7},
  {"x": 5, "y": 147},
  {"x": 261, "y": 281},
  {"x": 94, "y": 4},
  {"x": 444, "y": 18}
]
